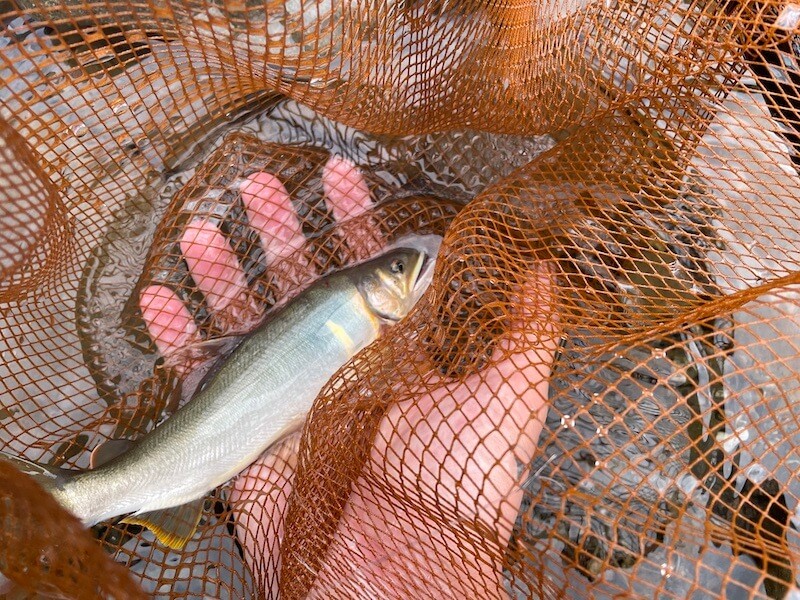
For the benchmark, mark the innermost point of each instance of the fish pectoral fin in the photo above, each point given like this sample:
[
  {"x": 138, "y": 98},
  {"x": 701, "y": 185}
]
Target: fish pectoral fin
[
  {"x": 108, "y": 450},
  {"x": 173, "y": 526}
]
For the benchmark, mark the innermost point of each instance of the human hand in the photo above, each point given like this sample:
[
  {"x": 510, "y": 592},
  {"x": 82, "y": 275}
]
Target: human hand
[
  {"x": 215, "y": 268},
  {"x": 458, "y": 447}
]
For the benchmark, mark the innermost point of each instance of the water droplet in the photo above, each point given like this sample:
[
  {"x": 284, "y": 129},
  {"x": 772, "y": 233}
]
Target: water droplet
[
  {"x": 666, "y": 570},
  {"x": 80, "y": 130},
  {"x": 567, "y": 421},
  {"x": 659, "y": 353}
]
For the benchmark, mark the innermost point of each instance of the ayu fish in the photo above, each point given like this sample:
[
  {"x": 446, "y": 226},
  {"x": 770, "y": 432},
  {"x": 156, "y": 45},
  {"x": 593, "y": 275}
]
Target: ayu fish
[{"x": 265, "y": 388}]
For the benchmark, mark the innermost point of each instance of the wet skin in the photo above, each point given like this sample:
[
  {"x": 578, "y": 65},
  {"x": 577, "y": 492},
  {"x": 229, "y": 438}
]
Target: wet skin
[{"x": 464, "y": 440}]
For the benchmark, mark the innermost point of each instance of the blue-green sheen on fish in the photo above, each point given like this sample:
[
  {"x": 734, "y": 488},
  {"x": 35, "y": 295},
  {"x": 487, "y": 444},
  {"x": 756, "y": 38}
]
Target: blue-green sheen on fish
[{"x": 264, "y": 389}]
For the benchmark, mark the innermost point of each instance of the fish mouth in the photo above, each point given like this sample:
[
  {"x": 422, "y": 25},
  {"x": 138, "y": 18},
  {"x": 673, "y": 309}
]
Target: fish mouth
[
  {"x": 425, "y": 263},
  {"x": 423, "y": 275}
]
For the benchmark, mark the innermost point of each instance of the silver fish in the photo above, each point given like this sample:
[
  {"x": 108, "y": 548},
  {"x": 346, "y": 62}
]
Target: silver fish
[{"x": 266, "y": 387}]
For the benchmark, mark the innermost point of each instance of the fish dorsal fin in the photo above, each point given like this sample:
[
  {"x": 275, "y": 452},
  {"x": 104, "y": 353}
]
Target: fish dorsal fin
[
  {"x": 108, "y": 450},
  {"x": 173, "y": 526},
  {"x": 200, "y": 361},
  {"x": 204, "y": 350}
]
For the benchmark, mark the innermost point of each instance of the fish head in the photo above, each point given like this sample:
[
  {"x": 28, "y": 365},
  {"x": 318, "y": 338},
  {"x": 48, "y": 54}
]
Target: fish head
[{"x": 392, "y": 283}]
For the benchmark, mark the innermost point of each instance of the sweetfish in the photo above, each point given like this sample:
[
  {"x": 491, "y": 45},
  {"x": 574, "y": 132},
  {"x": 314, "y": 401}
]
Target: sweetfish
[{"x": 265, "y": 388}]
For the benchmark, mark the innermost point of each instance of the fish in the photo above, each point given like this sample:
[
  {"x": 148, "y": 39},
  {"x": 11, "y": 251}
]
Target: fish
[{"x": 261, "y": 392}]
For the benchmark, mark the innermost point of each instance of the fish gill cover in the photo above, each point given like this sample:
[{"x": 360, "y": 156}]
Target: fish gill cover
[{"x": 596, "y": 398}]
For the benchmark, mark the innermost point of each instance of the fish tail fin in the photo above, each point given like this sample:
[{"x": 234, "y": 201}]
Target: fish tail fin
[{"x": 173, "y": 526}]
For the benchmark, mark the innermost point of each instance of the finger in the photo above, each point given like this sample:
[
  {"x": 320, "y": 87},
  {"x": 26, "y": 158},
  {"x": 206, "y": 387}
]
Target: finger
[
  {"x": 212, "y": 264},
  {"x": 345, "y": 188},
  {"x": 167, "y": 319},
  {"x": 270, "y": 213},
  {"x": 259, "y": 497},
  {"x": 348, "y": 197},
  {"x": 216, "y": 271}
]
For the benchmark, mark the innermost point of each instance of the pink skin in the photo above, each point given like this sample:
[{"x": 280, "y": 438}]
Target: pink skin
[
  {"x": 461, "y": 440},
  {"x": 347, "y": 195},
  {"x": 270, "y": 213}
]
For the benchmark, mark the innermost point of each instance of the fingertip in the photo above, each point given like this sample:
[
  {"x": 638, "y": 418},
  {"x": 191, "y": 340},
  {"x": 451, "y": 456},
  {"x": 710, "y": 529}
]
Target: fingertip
[
  {"x": 263, "y": 186},
  {"x": 348, "y": 197},
  {"x": 345, "y": 187},
  {"x": 168, "y": 320}
]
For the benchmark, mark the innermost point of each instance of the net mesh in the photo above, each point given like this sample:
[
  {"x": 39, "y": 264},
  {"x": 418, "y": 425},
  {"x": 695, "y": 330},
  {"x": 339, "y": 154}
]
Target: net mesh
[{"x": 595, "y": 398}]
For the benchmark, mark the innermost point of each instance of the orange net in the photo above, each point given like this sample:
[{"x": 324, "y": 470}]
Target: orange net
[{"x": 594, "y": 399}]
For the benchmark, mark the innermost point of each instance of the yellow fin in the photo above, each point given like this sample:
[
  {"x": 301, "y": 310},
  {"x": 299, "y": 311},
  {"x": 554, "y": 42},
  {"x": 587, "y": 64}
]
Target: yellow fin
[{"x": 173, "y": 526}]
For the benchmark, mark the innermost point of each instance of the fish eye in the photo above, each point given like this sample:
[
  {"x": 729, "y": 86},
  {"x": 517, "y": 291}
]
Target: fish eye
[{"x": 397, "y": 266}]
